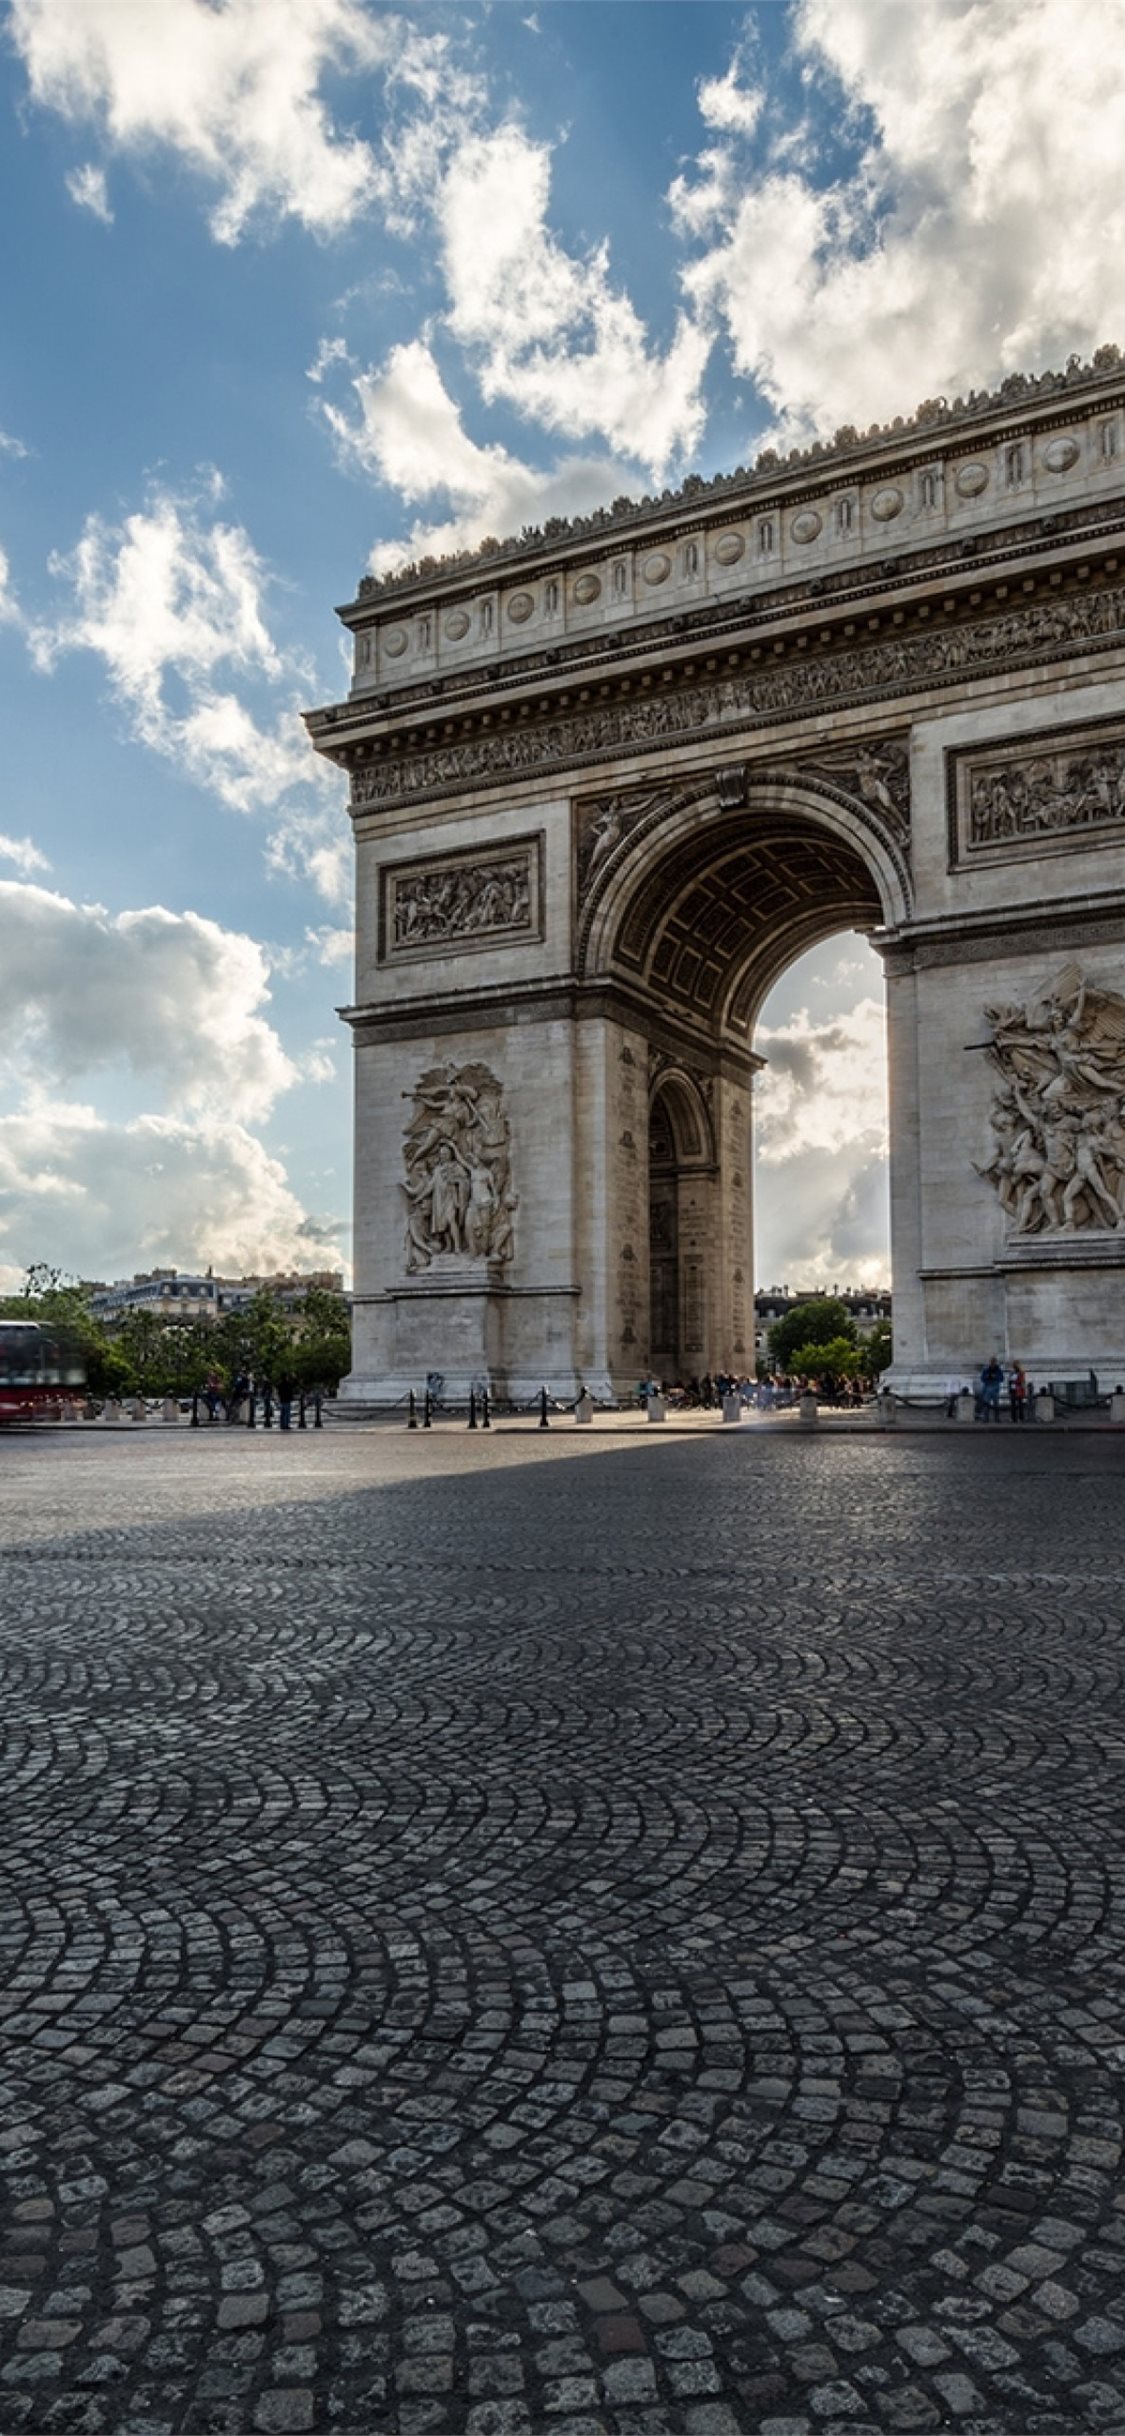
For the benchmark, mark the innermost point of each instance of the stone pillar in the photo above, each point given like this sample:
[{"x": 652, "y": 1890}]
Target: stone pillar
[
  {"x": 733, "y": 1341},
  {"x": 611, "y": 1243},
  {"x": 905, "y": 1173}
]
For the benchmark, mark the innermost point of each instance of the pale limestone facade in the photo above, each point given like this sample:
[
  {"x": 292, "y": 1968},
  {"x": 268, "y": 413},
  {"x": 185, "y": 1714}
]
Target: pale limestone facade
[{"x": 608, "y": 781}]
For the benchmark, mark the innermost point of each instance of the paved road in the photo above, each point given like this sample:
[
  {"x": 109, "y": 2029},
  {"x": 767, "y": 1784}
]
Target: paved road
[{"x": 563, "y": 1936}]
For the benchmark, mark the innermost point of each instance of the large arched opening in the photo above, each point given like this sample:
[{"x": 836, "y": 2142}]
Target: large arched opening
[
  {"x": 821, "y": 1187},
  {"x": 699, "y": 910}
]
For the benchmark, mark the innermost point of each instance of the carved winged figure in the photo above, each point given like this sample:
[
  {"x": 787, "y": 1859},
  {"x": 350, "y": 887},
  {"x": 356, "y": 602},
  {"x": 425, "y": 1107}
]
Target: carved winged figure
[{"x": 1058, "y": 1114}]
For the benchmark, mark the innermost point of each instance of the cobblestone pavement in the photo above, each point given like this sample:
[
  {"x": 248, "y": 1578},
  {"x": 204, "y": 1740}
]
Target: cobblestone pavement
[{"x": 562, "y": 1936}]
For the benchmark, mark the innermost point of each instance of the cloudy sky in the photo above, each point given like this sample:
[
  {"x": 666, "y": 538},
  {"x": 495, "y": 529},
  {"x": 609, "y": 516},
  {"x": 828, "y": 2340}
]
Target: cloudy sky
[{"x": 294, "y": 287}]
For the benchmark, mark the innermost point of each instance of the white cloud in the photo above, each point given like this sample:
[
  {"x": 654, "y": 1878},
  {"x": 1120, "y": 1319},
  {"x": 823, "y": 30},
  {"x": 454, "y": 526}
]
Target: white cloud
[
  {"x": 409, "y": 434},
  {"x": 24, "y": 853},
  {"x": 101, "y": 1198},
  {"x": 820, "y": 1127},
  {"x": 330, "y": 351},
  {"x": 171, "y": 998},
  {"x": 728, "y": 105},
  {"x": 981, "y": 231},
  {"x": 87, "y": 187},
  {"x": 233, "y": 89},
  {"x": 11, "y": 447},
  {"x": 551, "y": 333},
  {"x": 10, "y": 611},
  {"x": 139, "y": 1004},
  {"x": 174, "y": 604},
  {"x": 331, "y": 945}
]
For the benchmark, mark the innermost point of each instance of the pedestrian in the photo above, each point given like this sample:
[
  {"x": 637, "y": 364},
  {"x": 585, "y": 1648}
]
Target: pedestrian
[
  {"x": 238, "y": 1397},
  {"x": 286, "y": 1390},
  {"x": 213, "y": 1394},
  {"x": 1017, "y": 1392},
  {"x": 991, "y": 1385}
]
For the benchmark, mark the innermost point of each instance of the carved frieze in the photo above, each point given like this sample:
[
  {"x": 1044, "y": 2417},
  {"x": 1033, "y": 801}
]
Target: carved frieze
[
  {"x": 457, "y": 1154},
  {"x": 894, "y": 664},
  {"x": 1040, "y": 795},
  {"x": 448, "y": 904},
  {"x": 1058, "y": 1110}
]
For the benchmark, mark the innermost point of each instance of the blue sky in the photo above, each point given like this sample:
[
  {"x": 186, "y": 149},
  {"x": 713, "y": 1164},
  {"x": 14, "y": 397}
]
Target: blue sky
[{"x": 295, "y": 287}]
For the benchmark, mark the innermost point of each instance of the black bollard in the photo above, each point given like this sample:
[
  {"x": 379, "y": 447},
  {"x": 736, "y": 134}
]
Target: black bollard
[
  {"x": 485, "y": 1421},
  {"x": 543, "y": 1420},
  {"x": 318, "y": 1416},
  {"x": 301, "y": 1421},
  {"x": 251, "y": 1422},
  {"x": 472, "y": 1408},
  {"x": 195, "y": 1409},
  {"x": 267, "y": 1412},
  {"x": 426, "y": 1423},
  {"x": 413, "y": 1421}
]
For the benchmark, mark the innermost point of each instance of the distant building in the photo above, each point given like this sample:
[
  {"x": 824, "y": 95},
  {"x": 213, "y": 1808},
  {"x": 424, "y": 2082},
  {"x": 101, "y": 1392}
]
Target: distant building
[
  {"x": 181, "y": 1295},
  {"x": 865, "y": 1307}
]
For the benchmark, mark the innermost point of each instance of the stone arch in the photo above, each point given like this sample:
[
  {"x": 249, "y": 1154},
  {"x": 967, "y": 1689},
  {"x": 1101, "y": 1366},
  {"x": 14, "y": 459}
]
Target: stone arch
[
  {"x": 703, "y": 901},
  {"x": 687, "y": 1114}
]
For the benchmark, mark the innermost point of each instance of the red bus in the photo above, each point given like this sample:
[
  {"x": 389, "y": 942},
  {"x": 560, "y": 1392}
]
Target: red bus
[{"x": 36, "y": 1373}]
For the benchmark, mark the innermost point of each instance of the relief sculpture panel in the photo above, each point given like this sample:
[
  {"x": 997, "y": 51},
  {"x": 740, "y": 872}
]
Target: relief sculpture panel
[
  {"x": 457, "y": 1153},
  {"x": 451, "y": 903},
  {"x": 1044, "y": 793},
  {"x": 1058, "y": 1112}
]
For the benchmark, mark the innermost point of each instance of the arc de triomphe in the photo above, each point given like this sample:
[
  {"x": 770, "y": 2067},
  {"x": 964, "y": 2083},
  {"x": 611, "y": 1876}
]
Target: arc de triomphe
[{"x": 608, "y": 780}]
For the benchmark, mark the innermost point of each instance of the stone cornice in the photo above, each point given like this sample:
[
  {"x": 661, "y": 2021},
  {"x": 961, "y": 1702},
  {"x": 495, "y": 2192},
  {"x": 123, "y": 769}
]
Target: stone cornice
[
  {"x": 1019, "y": 404},
  {"x": 1094, "y": 920},
  {"x": 954, "y": 564},
  {"x": 564, "y": 999},
  {"x": 809, "y": 673}
]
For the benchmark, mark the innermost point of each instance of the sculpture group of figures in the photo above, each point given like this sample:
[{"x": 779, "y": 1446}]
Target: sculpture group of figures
[
  {"x": 1058, "y": 1115},
  {"x": 457, "y": 1151},
  {"x": 461, "y": 902},
  {"x": 1051, "y": 792}
]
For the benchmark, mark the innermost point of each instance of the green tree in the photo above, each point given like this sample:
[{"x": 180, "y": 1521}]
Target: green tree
[
  {"x": 141, "y": 1342},
  {"x": 322, "y": 1348},
  {"x": 836, "y": 1358},
  {"x": 876, "y": 1351},
  {"x": 812, "y": 1323}
]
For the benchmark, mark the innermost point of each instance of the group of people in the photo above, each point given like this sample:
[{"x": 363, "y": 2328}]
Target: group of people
[
  {"x": 992, "y": 1384},
  {"x": 756, "y": 1395},
  {"x": 247, "y": 1395}
]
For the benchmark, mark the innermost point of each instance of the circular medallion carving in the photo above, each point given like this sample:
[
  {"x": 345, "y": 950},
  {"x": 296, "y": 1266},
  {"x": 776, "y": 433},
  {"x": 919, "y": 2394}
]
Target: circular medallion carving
[
  {"x": 972, "y": 479},
  {"x": 1061, "y": 454},
  {"x": 729, "y": 548},
  {"x": 456, "y": 625},
  {"x": 656, "y": 569},
  {"x": 885, "y": 505},
  {"x": 805, "y": 525},
  {"x": 395, "y": 642},
  {"x": 520, "y": 608},
  {"x": 588, "y": 588}
]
